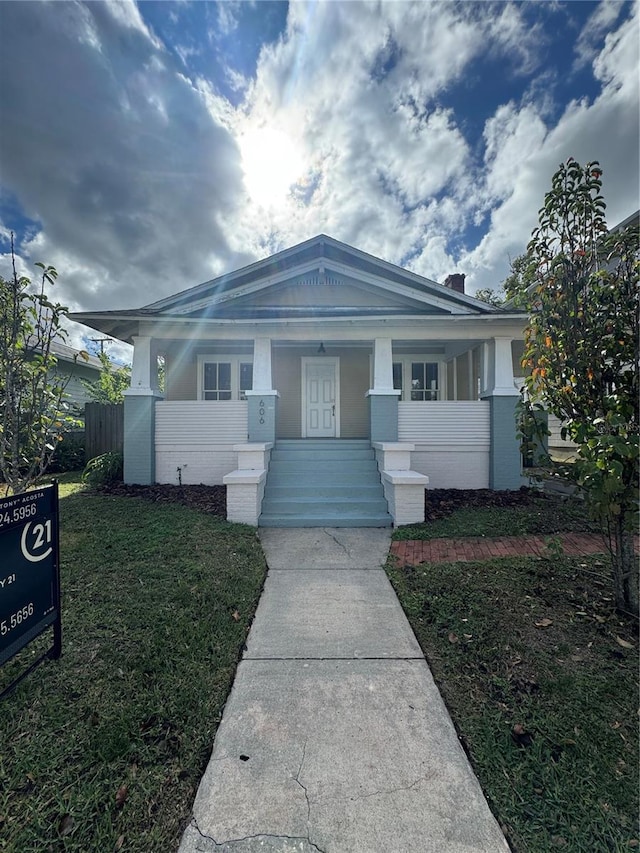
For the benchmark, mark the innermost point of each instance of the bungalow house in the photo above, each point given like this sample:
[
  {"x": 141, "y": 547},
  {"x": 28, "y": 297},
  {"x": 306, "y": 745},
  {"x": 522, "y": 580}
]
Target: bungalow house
[{"x": 323, "y": 386}]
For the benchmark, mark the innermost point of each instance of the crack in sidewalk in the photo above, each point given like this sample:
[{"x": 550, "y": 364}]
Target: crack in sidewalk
[
  {"x": 381, "y": 792},
  {"x": 337, "y": 541},
  {"x": 212, "y": 845}
]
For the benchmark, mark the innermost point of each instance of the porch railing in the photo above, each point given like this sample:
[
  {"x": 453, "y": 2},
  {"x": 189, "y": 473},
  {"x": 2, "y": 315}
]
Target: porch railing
[
  {"x": 445, "y": 423},
  {"x": 452, "y": 440}
]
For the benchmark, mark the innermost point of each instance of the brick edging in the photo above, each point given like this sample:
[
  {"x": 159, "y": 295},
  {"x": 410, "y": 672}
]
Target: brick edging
[{"x": 415, "y": 551}]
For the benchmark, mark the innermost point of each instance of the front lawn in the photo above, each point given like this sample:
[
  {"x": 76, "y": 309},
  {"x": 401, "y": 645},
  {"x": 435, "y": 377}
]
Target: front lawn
[
  {"x": 103, "y": 750},
  {"x": 540, "y": 676}
]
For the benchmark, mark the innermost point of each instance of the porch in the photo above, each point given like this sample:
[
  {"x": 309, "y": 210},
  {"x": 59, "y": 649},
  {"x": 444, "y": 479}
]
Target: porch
[{"x": 447, "y": 407}]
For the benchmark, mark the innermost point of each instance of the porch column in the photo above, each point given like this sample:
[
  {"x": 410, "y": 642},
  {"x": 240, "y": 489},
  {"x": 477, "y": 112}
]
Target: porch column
[
  {"x": 262, "y": 398},
  {"x": 139, "y": 414},
  {"x": 383, "y": 398},
  {"x": 499, "y": 389}
]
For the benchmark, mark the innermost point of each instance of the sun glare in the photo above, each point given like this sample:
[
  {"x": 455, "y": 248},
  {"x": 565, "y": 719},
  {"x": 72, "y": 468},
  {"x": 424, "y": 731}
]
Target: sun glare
[{"x": 271, "y": 164}]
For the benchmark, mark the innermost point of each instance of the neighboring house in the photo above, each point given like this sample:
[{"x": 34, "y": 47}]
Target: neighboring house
[
  {"x": 73, "y": 368},
  {"x": 320, "y": 342}
]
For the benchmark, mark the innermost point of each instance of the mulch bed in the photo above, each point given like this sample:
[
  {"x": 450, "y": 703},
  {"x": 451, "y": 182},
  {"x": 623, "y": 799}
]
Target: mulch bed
[
  {"x": 211, "y": 499},
  {"x": 439, "y": 503}
]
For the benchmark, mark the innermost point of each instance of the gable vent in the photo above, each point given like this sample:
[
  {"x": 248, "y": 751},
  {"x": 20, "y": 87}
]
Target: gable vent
[{"x": 320, "y": 278}]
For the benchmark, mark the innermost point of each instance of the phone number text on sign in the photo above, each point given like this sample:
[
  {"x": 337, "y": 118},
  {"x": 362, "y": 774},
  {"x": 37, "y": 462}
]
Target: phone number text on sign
[{"x": 29, "y": 595}]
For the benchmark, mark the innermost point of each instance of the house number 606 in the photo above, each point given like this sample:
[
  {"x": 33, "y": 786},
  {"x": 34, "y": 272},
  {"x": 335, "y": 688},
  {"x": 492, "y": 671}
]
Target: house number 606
[{"x": 42, "y": 536}]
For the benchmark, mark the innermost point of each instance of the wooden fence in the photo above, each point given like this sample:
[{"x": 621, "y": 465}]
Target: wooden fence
[{"x": 103, "y": 428}]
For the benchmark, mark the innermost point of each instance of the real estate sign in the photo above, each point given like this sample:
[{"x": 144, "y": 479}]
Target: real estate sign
[{"x": 29, "y": 570}]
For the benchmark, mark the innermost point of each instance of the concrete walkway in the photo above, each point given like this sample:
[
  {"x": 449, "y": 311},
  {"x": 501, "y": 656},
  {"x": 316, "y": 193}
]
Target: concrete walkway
[{"x": 334, "y": 737}]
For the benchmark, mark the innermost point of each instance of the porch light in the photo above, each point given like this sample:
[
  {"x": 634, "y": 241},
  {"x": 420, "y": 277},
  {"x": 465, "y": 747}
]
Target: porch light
[{"x": 321, "y": 349}]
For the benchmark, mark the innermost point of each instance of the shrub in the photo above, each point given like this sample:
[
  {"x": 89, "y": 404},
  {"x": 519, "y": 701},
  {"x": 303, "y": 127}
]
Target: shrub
[
  {"x": 104, "y": 469},
  {"x": 69, "y": 455}
]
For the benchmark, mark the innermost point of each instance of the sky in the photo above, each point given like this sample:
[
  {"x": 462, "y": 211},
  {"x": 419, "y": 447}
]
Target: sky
[{"x": 147, "y": 147}]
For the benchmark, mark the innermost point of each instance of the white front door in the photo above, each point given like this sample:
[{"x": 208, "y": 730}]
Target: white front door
[{"x": 319, "y": 399}]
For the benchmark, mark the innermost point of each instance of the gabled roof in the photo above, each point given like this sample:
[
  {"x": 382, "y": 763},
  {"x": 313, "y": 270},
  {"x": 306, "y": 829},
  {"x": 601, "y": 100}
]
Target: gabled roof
[
  {"x": 320, "y": 260},
  {"x": 320, "y": 279}
]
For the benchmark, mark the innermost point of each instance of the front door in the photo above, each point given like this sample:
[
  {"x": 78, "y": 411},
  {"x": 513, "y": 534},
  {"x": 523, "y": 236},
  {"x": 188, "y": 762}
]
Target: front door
[{"x": 320, "y": 415}]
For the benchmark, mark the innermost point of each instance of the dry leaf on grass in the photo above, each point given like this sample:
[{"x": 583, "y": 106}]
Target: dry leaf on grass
[
  {"x": 119, "y": 843},
  {"x": 544, "y": 623},
  {"x": 624, "y": 643},
  {"x": 453, "y": 638},
  {"x": 235, "y": 616},
  {"x": 121, "y": 796},
  {"x": 66, "y": 825}
]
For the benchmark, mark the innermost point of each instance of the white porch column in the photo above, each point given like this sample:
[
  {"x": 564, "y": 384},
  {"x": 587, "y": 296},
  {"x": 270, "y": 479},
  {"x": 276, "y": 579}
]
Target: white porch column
[
  {"x": 144, "y": 369},
  {"x": 262, "y": 381},
  {"x": 504, "y": 384},
  {"x": 382, "y": 365},
  {"x": 262, "y": 397}
]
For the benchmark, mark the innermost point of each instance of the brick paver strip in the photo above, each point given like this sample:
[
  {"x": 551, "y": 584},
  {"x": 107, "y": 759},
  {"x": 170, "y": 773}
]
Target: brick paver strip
[{"x": 412, "y": 552}]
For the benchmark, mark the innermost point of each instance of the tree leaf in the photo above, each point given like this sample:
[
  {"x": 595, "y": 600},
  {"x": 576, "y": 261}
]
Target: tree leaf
[
  {"x": 544, "y": 623},
  {"x": 624, "y": 643}
]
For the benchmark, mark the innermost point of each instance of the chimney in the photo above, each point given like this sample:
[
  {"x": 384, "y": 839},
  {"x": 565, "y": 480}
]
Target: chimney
[{"x": 455, "y": 281}]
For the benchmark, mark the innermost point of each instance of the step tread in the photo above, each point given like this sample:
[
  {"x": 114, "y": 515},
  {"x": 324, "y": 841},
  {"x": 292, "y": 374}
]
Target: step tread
[{"x": 267, "y": 520}]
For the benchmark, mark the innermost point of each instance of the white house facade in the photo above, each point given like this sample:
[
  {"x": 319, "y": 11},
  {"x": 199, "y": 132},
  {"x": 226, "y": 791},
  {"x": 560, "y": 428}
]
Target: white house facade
[{"x": 290, "y": 371}]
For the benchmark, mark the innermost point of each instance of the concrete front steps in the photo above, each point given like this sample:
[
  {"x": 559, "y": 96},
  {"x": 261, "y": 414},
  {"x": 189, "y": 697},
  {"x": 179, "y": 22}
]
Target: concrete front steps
[{"x": 323, "y": 483}]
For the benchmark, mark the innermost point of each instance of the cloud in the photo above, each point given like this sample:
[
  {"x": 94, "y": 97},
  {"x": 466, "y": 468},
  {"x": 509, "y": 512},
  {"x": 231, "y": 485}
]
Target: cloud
[
  {"x": 130, "y": 157},
  {"x": 113, "y": 151},
  {"x": 522, "y": 155},
  {"x": 590, "y": 39},
  {"x": 382, "y": 151}
]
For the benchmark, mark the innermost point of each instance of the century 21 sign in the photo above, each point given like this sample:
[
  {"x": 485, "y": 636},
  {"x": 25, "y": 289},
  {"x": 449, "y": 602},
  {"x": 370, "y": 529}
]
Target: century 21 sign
[{"x": 29, "y": 570}]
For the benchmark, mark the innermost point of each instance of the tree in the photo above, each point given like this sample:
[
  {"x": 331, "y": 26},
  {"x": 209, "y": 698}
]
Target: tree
[
  {"x": 582, "y": 350},
  {"x": 33, "y": 413},
  {"x": 111, "y": 384},
  {"x": 490, "y": 296},
  {"x": 520, "y": 278}
]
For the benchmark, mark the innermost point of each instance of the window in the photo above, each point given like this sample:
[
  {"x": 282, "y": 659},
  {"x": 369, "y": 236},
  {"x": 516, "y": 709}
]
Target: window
[
  {"x": 224, "y": 377},
  {"x": 424, "y": 380},
  {"x": 217, "y": 381},
  {"x": 418, "y": 380}
]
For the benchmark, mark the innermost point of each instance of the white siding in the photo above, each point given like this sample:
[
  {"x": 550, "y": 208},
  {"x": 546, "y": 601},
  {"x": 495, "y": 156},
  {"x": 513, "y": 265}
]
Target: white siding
[
  {"x": 555, "y": 441},
  {"x": 451, "y": 441},
  {"x": 198, "y": 437},
  {"x": 445, "y": 422}
]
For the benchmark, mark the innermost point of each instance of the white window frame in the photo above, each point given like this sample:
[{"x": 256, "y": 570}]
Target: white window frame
[
  {"x": 235, "y": 361},
  {"x": 407, "y": 361}
]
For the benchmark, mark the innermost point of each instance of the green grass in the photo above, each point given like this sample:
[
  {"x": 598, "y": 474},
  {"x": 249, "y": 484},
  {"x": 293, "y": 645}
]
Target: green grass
[
  {"x": 571, "y": 685},
  {"x": 544, "y": 516},
  {"x": 156, "y": 605}
]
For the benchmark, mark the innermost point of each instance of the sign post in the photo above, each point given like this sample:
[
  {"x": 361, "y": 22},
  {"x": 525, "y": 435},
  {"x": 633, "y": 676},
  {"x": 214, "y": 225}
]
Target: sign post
[{"x": 29, "y": 573}]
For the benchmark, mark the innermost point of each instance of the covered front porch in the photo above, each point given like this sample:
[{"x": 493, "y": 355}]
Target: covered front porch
[{"x": 452, "y": 402}]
